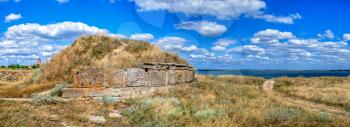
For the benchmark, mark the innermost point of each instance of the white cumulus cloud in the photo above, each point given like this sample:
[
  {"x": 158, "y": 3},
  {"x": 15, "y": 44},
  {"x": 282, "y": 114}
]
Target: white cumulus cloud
[
  {"x": 346, "y": 37},
  {"x": 279, "y": 19},
  {"x": 222, "y": 9},
  {"x": 22, "y": 42},
  {"x": 222, "y": 44},
  {"x": 328, "y": 34},
  {"x": 142, "y": 36},
  {"x": 270, "y": 36},
  {"x": 205, "y": 28},
  {"x": 12, "y": 17}
]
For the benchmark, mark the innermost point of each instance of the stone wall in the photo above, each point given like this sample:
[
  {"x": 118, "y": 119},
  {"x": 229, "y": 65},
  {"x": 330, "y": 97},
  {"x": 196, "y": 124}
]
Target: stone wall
[{"x": 146, "y": 76}]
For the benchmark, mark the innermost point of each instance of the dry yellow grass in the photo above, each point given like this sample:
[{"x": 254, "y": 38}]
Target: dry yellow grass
[
  {"x": 74, "y": 113},
  {"x": 14, "y": 91},
  {"x": 26, "y": 85},
  {"x": 328, "y": 90},
  {"x": 223, "y": 101},
  {"x": 24, "y": 77}
]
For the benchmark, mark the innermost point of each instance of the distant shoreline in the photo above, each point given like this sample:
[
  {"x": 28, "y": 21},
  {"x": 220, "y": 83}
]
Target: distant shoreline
[
  {"x": 262, "y": 70},
  {"x": 268, "y": 74}
]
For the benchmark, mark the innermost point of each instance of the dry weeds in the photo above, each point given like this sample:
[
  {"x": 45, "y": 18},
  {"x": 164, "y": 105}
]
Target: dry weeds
[{"x": 328, "y": 90}]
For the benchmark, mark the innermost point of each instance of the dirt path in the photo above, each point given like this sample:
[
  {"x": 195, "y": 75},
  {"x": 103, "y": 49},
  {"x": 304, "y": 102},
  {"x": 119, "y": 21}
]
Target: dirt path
[
  {"x": 302, "y": 103},
  {"x": 30, "y": 99},
  {"x": 268, "y": 86}
]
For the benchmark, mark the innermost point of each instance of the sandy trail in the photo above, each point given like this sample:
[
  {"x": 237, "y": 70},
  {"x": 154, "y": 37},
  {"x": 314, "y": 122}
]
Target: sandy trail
[{"x": 268, "y": 86}]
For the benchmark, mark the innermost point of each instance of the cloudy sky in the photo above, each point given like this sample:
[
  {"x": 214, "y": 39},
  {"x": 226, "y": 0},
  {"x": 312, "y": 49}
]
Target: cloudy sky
[{"x": 215, "y": 34}]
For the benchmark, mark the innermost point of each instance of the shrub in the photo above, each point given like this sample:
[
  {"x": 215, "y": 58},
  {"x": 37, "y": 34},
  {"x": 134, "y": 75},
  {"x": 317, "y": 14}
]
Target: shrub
[
  {"x": 41, "y": 100},
  {"x": 208, "y": 114},
  {"x": 282, "y": 114},
  {"x": 57, "y": 90},
  {"x": 175, "y": 112},
  {"x": 108, "y": 99},
  {"x": 35, "y": 66},
  {"x": 323, "y": 117},
  {"x": 282, "y": 82},
  {"x": 138, "y": 114}
]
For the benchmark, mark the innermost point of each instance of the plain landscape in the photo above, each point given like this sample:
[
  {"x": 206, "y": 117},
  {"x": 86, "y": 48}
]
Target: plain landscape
[{"x": 31, "y": 95}]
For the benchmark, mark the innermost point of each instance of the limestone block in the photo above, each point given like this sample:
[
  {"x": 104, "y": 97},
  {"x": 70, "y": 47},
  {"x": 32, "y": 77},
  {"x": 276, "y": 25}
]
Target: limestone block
[
  {"x": 136, "y": 77},
  {"x": 189, "y": 75},
  {"x": 118, "y": 78},
  {"x": 170, "y": 77},
  {"x": 180, "y": 76},
  {"x": 157, "y": 77},
  {"x": 89, "y": 78}
]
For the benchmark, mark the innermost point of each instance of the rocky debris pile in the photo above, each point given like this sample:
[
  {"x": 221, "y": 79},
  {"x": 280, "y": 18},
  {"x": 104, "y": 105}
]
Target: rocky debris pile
[{"x": 12, "y": 76}]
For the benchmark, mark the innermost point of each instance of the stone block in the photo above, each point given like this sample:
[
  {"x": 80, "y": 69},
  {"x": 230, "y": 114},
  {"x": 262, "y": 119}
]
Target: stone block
[
  {"x": 170, "y": 77},
  {"x": 180, "y": 76},
  {"x": 118, "y": 78},
  {"x": 72, "y": 93},
  {"x": 90, "y": 77},
  {"x": 157, "y": 77},
  {"x": 136, "y": 77}
]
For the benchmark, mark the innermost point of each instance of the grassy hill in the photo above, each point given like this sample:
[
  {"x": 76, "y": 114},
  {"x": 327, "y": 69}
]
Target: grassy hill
[{"x": 101, "y": 51}]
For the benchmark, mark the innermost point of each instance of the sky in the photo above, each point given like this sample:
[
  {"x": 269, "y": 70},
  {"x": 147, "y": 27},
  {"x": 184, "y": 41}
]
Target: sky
[{"x": 210, "y": 34}]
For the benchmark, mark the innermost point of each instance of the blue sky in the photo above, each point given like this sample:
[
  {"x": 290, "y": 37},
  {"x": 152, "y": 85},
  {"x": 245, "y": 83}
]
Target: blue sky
[{"x": 230, "y": 34}]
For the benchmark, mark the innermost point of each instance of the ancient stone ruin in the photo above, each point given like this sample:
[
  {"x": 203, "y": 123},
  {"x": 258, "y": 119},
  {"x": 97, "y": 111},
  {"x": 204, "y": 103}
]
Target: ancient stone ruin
[{"x": 95, "y": 82}]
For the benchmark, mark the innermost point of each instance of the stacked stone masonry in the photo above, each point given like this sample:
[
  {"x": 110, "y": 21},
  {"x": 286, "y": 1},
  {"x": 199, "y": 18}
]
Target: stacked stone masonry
[{"x": 97, "y": 82}]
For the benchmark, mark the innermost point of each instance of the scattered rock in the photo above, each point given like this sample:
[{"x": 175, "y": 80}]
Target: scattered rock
[
  {"x": 97, "y": 119},
  {"x": 66, "y": 125},
  {"x": 54, "y": 117},
  {"x": 115, "y": 114}
]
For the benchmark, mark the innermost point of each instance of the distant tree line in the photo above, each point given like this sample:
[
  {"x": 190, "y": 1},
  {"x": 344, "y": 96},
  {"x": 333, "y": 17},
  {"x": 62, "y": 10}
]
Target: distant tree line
[{"x": 18, "y": 66}]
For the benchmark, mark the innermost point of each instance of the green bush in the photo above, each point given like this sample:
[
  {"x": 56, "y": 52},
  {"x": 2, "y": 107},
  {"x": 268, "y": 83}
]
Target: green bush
[
  {"x": 208, "y": 114},
  {"x": 35, "y": 66},
  {"x": 282, "y": 114},
  {"x": 42, "y": 100},
  {"x": 323, "y": 117},
  {"x": 282, "y": 84},
  {"x": 108, "y": 99},
  {"x": 175, "y": 112},
  {"x": 138, "y": 115},
  {"x": 17, "y": 66},
  {"x": 57, "y": 90}
]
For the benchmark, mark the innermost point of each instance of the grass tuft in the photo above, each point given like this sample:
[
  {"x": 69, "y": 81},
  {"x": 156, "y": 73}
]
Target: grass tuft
[
  {"x": 43, "y": 100},
  {"x": 282, "y": 114}
]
